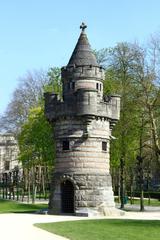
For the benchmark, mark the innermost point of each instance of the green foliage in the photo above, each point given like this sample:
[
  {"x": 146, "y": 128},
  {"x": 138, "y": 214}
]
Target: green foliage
[
  {"x": 55, "y": 83},
  {"x": 119, "y": 79},
  {"x": 36, "y": 140},
  {"x": 105, "y": 229}
]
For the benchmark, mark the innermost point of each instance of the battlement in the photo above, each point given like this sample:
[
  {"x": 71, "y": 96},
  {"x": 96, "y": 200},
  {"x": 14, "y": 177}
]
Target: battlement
[
  {"x": 81, "y": 72},
  {"x": 85, "y": 104}
]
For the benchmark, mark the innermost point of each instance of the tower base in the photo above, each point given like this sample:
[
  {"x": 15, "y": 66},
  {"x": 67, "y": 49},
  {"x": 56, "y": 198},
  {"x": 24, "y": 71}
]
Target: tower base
[
  {"x": 101, "y": 211},
  {"x": 83, "y": 195}
]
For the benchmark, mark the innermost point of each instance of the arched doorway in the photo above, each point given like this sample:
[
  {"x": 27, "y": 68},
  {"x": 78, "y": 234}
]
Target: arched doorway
[{"x": 67, "y": 197}]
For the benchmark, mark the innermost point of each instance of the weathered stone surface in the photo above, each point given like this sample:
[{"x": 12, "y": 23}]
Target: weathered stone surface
[{"x": 84, "y": 119}]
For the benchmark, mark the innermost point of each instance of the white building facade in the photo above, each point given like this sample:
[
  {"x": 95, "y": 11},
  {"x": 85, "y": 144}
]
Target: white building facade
[{"x": 8, "y": 153}]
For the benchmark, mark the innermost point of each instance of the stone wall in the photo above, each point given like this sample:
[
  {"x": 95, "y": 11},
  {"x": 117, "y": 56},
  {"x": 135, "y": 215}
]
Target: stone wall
[
  {"x": 85, "y": 102},
  {"x": 84, "y": 154},
  {"x": 85, "y": 164}
]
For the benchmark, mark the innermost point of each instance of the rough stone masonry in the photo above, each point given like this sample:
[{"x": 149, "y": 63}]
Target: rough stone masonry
[{"x": 83, "y": 122}]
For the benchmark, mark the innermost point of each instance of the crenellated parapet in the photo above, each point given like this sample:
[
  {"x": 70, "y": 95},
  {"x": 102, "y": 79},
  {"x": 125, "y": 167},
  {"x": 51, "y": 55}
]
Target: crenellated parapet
[
  {"x": 74, "y": 72},
  {"x": 81, "y": 77},
  {"x": 85, "y": 105}
]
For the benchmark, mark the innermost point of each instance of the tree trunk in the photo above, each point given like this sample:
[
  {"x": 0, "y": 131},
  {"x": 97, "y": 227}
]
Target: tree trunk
[
  {"x": 131, "y": 194},
  {"x": 122, "y": 189},
  {"x": 29, "y": 186},
  {"x": 155, "y": 135},
  {"x": 141, "y": 165},
  {"x": 119, "y": 187},
  {"x": 142, "y": 201},
  {"x": 33, "y": 185}
]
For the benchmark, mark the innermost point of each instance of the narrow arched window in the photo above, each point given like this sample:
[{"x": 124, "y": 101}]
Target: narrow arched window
[
  {"x": 73, "y": 85},
  {"x": 97, "y": 86},
  {"x": 65, "y": 145},
  {"x": 104, "y": 146}
]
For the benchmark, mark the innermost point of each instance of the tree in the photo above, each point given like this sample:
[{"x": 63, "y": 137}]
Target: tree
[
  {"x": 102, "y": 56},
  {"x": 28, "y": 94},
  {"x": 54, "y": 81},
  {"x": 120, "y": 79},
  {"x": 36, "y": 146},
  {"x": 134, "y": 74},
  {"x": 149, "y": 78}
]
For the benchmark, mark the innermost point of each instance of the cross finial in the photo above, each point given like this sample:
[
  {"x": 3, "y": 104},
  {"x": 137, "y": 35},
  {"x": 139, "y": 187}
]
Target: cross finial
[{"x": 83, "y": 26}]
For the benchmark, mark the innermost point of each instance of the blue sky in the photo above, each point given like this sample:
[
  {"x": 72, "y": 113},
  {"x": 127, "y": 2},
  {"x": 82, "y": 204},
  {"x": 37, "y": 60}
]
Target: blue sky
[{"x": 38, "y": 34}]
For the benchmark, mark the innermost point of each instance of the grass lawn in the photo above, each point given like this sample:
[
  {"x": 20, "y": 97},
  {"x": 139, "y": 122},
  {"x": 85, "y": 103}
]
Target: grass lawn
[
  {"x": 153, "y": 202},
  {"x": 7, "y": 206},
  {"x": 105, "y": 229}
]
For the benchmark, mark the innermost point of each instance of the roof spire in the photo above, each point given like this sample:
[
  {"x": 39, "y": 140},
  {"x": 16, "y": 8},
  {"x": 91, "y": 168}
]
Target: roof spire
[
  {"x": 83, "y": 26},
  {"x": 83, "y": 54}
]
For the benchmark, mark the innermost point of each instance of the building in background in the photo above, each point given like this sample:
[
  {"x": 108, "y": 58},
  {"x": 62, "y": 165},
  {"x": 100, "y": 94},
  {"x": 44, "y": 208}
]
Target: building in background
[{"x": 8, "y": 153}]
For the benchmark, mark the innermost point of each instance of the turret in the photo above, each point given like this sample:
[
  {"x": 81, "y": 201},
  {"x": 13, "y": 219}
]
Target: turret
[
  {"x": 83, "y": 122},
  {"x": 82, "y": 72},
  {"x": 82, "y": 81}
]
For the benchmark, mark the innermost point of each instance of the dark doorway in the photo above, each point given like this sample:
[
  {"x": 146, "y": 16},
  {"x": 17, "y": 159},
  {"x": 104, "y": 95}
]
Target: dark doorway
[{"x": 67, "y": 200}]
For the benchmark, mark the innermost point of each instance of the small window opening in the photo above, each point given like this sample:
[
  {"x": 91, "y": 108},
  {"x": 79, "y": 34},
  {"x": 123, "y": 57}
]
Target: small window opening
[
  {"x": 100, "y": 87},
  {"x": 104, "y": 146},
  {"x": 7, "y": 165},
  {"x": 73, "y": 85},
  {"x": 97, "y": 87},
  {"x": 65, "y": 145}
]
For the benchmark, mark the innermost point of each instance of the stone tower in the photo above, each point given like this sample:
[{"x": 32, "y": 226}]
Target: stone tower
[{"x": 83, "y": 122}]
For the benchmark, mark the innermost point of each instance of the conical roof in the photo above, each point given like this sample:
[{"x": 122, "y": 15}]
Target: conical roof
[{"x": 83, "y": 54}]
